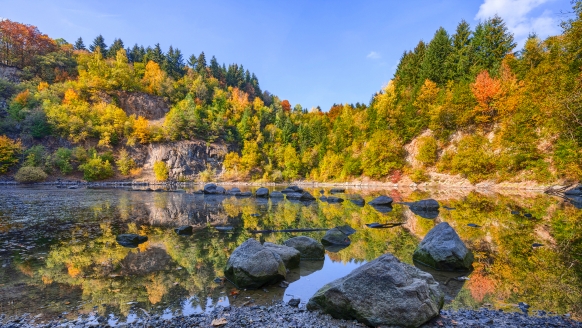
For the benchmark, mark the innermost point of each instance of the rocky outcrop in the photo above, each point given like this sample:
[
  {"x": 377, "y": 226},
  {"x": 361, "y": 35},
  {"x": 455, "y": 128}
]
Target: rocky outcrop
[
  {"x": 442, "y": 249},
  {"x": 309, "y": 248},
  {"x": 10, "y": 73},
  {"x": 185, "y": 159},
  {"x": 383, "y": 292},
  {"x": 290, "y": 256},
  {"x": 252, "y": 265},
  {"x": 142, "y": 104}
]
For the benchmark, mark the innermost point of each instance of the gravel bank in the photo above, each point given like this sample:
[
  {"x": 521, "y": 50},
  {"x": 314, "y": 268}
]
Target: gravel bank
[{"x": 282, "y": 315}]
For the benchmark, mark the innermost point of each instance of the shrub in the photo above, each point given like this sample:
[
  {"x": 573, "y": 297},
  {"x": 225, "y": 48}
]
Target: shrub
[
  {"x": 30, "y": 174},
  {"x": 62, "y": 160},
  {"x": 35, "y": 156},
  {"x": 419, "y": 176},
  {"x": 207, "y": 175},
  {"x": 124, "y": 162},
  {"x": 9, "y": 149},
  {"x": 161, "y": 171},
  {"x": 427, "y": 151},
  {"x": 96, "y": 169},
  {"x": 474, "y": 159}
]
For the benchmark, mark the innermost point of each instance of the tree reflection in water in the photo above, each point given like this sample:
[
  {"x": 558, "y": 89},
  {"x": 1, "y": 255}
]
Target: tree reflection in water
[{"x": 178, "y": 273}]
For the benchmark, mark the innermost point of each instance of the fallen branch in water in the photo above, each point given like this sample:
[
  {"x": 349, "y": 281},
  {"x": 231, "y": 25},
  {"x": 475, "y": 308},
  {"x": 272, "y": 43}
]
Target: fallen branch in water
[{"x": 289, "y": 230}]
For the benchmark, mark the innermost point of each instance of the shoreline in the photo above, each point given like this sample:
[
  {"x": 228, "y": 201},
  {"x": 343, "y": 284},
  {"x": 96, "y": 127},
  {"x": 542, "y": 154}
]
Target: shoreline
[{"x": 284, "y": 315}]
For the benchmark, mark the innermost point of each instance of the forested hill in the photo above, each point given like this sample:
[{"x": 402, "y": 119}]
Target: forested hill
[{"x": 465, "y": 103}]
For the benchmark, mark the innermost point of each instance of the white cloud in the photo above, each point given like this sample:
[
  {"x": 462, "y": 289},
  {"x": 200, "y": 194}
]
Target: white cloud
[
  {"x": 516, "y": 14},
  {"x": 373, "y": 55}
]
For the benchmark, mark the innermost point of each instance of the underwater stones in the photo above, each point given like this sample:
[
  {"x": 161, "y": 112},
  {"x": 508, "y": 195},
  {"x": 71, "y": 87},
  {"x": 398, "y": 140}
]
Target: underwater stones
[
  {"x": 383, "y": 292},
  {"x": 442, "y": 249},
  {"x": 309, "y": 248},
  {"x": 252, "y": 265}
]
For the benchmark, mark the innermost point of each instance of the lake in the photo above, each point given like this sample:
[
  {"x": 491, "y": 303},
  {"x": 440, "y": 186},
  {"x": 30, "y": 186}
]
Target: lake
[{"x": 59, "y": 257}]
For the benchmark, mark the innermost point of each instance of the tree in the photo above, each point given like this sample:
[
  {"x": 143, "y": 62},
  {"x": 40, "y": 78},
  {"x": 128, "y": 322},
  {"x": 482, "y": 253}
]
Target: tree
[
  {"x": 408, "y": 71},
  {"x": 156, "y": 55},
  {"x": 153, "y": 78},
  {"x": 79, "y": 44},
  {"x": 491, "y": 43},
  {"x": 99, "y": 42},
  {"x": 20, "y": 44},
  {"x": 460, "y": 59},
  {"x": 486, "y": 90},
  {"x": 9, "y": 149},
  {"x": 433, "y": 64},
  {"x": 115, "y": 47},
  {"x": 174, "y": 63},
  {"x": 161, "y": 171}
]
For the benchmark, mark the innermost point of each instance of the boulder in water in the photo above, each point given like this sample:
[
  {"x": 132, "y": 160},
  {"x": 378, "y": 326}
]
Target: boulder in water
[
  {"x": 290, "y": 256},
  {"x": 383, "y": 292},
  {"x": 381, "y": 201},
  {"x": 334, "y": 200},
  {"x": 252, "y": 265},
  {"x": 276, "y": 194},
  {"x": 130, "y": 239},
  {"x": 262, "y": 192},
  {"x": 335, "y": 237},
  {"x": 442, "y": 249},
  {"x": 309, "y": 248},
  {"x": 425, "y": 205}
]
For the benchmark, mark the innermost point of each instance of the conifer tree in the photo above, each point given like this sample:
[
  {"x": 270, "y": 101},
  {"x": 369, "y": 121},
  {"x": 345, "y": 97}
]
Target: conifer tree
[
  {"x": 459, "y": 61},
  {"x": 79, "y": 45},
  {"x": 491, "y": 43},
  {"x": 433, "y": 64},
  {"x": 115, "y": 47},
  {"x": 99, "y": 42}
]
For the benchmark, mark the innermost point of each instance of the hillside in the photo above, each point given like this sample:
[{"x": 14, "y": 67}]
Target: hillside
[{"x": 466, "y": 105}]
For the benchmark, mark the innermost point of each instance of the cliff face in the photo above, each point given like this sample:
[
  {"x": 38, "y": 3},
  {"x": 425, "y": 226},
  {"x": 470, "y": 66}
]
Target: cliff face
[
  {"x": 9, "y": 73},
  {"x": 142, "y": 104},
  {"x": 185, "y": 159}
]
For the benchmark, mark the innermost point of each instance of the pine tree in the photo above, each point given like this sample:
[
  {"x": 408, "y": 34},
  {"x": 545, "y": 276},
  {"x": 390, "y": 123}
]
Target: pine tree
[
  {"x": 136, "y": 54},
  {"x": 433, "y": 64},
  {"x": 192, "y": 61},
  {"x": 201, "y": 63},
  {"x": 99, "y": 42},
  {"x": 115, "y": 47},
  {"x": 156, "y": 54},
  {"x": 79, "y": 45},
  {"x": 174, "y": 63},
  {"x": 491, "y": 43},
  {"x": 459, "y": 62},
  {"x": 408, "y": 70}
]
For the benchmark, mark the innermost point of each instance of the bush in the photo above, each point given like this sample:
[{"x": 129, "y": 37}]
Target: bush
[
  {"x": 474, "y": 159},
  {"x": 207, "y": 175},
  {"x": 161, "y": 171},
  {"x": 35, "y": 156},
  {"x": 427, "y": 151},
  {"x": 96, "y": 169},
  {"x": 9, "y": 149},
  {"x": 30, "y": 174},
  {"x": 124, "y": 162},
  {"x": 419, "y": 176},
  {"x": 62, "y": 160}
]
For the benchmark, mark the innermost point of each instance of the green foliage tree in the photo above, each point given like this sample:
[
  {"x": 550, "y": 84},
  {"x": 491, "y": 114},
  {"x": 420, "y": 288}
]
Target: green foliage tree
[
  {"x": 79, "y": 44},
  {"x": 98, "y": 43},
  {"x": 96, "y": 169},
  {"x": 124, "y": 162},
  {"x": 433, "y": 64},
  {"x": 161, "y": 171}
]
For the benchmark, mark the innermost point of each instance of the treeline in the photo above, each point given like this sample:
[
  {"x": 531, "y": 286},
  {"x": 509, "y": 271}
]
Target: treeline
[{"x": 465, "y": 103}]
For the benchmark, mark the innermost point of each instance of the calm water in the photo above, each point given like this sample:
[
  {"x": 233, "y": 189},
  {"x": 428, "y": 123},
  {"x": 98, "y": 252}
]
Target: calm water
[{"x": 58, "y": 252}]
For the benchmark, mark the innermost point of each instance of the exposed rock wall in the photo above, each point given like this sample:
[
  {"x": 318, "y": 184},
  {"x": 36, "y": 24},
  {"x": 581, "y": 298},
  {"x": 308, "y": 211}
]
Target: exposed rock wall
[
  {"x": 185, "y": 159},
  {"x": 10, "y": 73},
  {"x": 143, "y": 104}
]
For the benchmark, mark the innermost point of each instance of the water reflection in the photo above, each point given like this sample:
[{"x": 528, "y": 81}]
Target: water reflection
[{"x": 58, "y": 251}]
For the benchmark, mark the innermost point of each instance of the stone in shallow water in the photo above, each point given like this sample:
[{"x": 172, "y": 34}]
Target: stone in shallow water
[
  {"x": 130, "y": 240},
  {"x": 381, "y": 201},
  {"x": 290, "y": 256},
  {"x": 383, "y": 292},
  {"x": 309, "y": 248},
  {"x": 262, "y": 192},
  {"x": 442, "y": 249},
  {"x": 252, "y": 265},
  {"x": 335, "y": 237}
]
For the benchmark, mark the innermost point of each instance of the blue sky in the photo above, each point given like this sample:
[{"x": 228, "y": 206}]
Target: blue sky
[{"x": 309, "y": 52}]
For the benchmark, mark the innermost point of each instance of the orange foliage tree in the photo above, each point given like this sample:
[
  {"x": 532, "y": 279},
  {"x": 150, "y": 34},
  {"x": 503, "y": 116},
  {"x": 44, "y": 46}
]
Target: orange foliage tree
[
  {"x": 486, "y": 90},
  {"x": 286, "y": 105},
  {"x": 20, "y": 43}
]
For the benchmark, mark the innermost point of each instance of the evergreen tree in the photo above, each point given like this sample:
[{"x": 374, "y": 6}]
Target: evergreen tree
[
  {"x": 215, "y": 69},
  {"x": 460, "y": 60},
  {"x": 174, "y": 63},
  {"x": 136, "y": 54},
  {"x": 433, "y": 64},
  {"x": 99, "y": 42},
  {"x": 491, "y": 43},
  {"x": 115, "y": 47},
  {"x": 408, "y": 70},
  {"x": 192, "y": 61},
  {"x": 201, "y": 63},
  {"x": 156, "y": 54},
  {"x": 79, "y": 45}
]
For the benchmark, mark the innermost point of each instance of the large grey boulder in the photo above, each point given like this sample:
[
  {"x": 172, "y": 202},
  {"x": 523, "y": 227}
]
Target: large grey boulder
[
  {"x": 210, "y": 188},
  {"x": 425, "y": 205},
  {"x": 262, "y": 192},
  {"x": 383, "y": 292},
  {"x": 290, "y": 256},
  {"x": 335, "y": 237},
  {"x": 309, "y": 248},
  {"x": 442, "y": 249},
  {"x": 252, "y": 265},
  {"x": 381, "y": 201}
]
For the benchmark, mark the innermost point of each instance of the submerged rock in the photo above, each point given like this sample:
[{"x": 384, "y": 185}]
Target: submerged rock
[
  {"x": 335, "y": 237},
  {"x": 290, "y": 256},
  {"x": 243, "y": 194},
  {"x": 383, "y": 292},
  {"x": 233, "y": 191},
  {"x": 252, "y": 265},
  {"x": 309, "y": 248},
  {"x": 184, "y": 230},
  {"x": 347, "y": 230},
  {"x": 262, "y": 192},
  {"x": 304, "y": 196},
  {"x": 130, "y": 239},
  {"x": 292, "y": 189},
  {"x": 442, "y": 249},
  {"x": 381, "y": 201}
]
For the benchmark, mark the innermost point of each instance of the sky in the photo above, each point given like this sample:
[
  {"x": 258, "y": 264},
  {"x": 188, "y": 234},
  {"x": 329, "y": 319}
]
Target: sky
[{"x": 313, "y": 53}]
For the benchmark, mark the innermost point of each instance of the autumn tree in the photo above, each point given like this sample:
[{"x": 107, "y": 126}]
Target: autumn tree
[{"x": 20, "y": 44}]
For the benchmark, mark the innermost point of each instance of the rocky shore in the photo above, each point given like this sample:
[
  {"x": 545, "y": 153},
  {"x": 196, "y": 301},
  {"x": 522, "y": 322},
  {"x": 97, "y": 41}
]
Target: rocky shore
[{"x": 282, "y": 315}]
